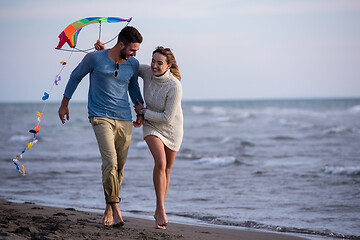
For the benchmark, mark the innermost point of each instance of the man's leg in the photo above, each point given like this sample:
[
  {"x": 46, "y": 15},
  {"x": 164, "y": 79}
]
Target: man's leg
[
  {"x": 122, "y": 142},
  {"x": 104, "y": 132}
]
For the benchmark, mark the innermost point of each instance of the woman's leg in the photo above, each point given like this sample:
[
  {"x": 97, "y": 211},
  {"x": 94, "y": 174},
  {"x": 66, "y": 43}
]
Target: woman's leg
[
  {"x": 157, "y": 150},
  {"x": 170, "y": 158}
]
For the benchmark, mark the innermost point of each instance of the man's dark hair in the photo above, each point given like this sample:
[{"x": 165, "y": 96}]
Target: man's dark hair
[{"x": 129, "y": 35}]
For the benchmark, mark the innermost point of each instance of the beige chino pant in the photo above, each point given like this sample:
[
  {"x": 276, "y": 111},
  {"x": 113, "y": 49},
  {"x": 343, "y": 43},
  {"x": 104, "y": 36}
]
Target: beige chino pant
[{"x": 113, "y": 137}]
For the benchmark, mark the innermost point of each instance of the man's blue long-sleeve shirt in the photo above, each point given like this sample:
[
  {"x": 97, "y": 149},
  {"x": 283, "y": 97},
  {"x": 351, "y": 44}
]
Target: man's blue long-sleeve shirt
[{"x": 108, "y": 96}]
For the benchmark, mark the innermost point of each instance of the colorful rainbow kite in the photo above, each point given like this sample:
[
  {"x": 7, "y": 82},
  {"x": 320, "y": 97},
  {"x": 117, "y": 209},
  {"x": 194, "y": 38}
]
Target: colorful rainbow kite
[
  {"x": 69, "y": 35},
  {"x": 71, "y": 32}
]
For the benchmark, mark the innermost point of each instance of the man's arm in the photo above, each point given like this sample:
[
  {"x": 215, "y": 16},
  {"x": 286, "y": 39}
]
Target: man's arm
[
  {"x": 134, "y": 89},
  {"x": 85, "y": 66},
  {"x": 76, "y": 76}
]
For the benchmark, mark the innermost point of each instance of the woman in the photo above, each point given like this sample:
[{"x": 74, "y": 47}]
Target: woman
[{"x": 163, "y": 121}]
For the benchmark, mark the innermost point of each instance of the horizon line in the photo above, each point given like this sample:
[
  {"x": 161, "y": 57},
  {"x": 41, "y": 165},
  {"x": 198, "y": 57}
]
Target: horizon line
[{"x": 207, "y": 99}]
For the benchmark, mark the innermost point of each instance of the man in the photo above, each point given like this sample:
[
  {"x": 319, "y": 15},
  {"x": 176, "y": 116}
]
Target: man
[{"x": 113, "y": 73}]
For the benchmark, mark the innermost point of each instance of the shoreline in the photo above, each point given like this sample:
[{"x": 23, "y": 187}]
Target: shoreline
[{"x": 28, "y": 220}]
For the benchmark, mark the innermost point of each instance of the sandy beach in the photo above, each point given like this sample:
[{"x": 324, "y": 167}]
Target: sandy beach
[{"x": 30, "y": 221}]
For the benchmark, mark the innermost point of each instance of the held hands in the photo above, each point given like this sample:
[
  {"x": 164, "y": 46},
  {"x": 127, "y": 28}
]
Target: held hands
[
  {"x": 139, "y": 121},
  {"x": 99, "y": 45},
  {"x": 140, "y": 117}
]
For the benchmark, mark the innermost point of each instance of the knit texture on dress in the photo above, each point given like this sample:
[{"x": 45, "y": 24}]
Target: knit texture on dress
[{"x": 163, "y": 117}]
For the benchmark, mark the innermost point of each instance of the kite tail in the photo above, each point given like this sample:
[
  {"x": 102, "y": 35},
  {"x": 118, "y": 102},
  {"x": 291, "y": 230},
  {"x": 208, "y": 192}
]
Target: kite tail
[{"x": 35, "y": 131}]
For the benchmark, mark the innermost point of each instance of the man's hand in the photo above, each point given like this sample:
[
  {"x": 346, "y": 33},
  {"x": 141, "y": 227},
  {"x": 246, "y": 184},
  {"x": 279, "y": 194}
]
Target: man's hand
[
  {"x": 139, "y": 121},
  {"x": 99, "y": 45},
  {"x": 64, "y": 110},
  {"x": 138, "y": 107}
]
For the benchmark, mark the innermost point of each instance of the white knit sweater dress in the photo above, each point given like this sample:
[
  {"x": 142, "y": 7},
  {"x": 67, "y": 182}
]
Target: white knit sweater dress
[{"x": 163, "y": 115}]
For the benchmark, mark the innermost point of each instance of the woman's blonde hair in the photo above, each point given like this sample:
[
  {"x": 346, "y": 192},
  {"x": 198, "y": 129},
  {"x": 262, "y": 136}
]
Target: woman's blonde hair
[{"x": 170, "y": 59}]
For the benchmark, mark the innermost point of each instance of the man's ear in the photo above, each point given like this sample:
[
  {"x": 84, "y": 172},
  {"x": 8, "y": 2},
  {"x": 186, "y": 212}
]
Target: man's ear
[{"x": 121, "y": 45}]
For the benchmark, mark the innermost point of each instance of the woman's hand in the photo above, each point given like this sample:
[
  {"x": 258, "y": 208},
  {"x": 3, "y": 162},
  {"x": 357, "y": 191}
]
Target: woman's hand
[{"x": 99, "y": 45}]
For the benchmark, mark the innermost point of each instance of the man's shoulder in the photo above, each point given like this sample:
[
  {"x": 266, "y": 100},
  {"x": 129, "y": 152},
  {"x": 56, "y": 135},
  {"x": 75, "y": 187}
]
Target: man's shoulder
[
  {"x": 91, "y": 55},
  {"x": 100, "y": 53},
  {"x": 133, "y": 60},
  {"x": 95, "y": 57}
]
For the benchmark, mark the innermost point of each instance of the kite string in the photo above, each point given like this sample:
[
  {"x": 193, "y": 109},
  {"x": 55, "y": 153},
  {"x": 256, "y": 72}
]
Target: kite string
[
  {"x": 52, "y": 86},
  {"x": 37, "y": 128},
  {"x": 117, "y": 35}
]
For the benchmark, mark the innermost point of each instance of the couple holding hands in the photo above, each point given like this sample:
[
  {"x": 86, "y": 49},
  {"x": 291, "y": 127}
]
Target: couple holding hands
[{"x": 113, "y": 76}]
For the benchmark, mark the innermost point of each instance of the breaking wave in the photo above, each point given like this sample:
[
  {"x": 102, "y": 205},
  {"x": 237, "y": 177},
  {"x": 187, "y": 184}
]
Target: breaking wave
[
  {"x": 256, "y": 225},
  {"x": 351, "y": 170},
  {"x": 217, "y": 161}
]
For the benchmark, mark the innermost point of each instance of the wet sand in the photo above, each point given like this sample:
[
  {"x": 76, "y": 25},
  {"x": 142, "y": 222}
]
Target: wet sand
[{"x": 29, "y": 221}]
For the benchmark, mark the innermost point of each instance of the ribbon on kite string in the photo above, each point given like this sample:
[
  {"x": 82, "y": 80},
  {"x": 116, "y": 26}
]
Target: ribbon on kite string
[{"x": 36, "y": 130}]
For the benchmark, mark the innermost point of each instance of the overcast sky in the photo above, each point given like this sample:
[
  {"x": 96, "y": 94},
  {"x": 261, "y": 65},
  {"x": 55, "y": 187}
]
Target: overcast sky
[{"x": 225, "y": 49}]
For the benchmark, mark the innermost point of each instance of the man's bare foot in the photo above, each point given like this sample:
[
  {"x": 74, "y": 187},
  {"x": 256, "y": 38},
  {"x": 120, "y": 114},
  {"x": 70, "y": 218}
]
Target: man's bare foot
[
  {"x": 118, "y": 221},
  {"x": 108, "y": 215},
  {"x": 160, "y": 219}
]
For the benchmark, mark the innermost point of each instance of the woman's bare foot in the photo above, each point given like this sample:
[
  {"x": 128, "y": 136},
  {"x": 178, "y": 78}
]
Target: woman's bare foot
[
  {"x": 118, "y": 221},
  {"x": 160, "y": 219},
  {"x": 108, "y": 216}
]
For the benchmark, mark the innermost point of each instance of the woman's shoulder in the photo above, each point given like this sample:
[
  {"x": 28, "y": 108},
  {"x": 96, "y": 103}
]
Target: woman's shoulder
[{"x": 174, "y": 81}]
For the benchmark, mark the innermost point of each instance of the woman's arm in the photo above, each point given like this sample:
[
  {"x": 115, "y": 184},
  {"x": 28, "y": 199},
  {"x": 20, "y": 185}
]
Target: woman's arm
[{"x": 144, "y": 69}]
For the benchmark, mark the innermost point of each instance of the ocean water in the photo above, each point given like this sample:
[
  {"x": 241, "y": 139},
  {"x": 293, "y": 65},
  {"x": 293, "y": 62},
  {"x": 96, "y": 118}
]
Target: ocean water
[{"x": 276, "y": 165}]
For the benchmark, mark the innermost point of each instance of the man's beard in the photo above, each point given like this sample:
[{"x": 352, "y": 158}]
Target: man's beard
[{"x": 123, "y": 55}]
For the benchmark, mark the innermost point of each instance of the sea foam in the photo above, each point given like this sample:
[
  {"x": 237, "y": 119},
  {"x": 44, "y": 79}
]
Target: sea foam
[
  {"x": 350, "y": 170},
  {"x": 216, "y": 161},
  {"x": 19, "y": 138},
  {"x": 354, "y": 109},
  {"x": 141, "y": 145}
]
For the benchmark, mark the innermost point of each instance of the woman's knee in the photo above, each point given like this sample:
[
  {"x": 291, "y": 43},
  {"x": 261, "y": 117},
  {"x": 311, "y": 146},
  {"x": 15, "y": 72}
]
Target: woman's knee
[
  {"x": 160, "y": 165},
  {"x": 168, "y": 171}
]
